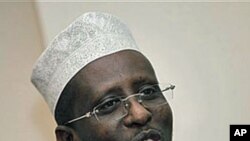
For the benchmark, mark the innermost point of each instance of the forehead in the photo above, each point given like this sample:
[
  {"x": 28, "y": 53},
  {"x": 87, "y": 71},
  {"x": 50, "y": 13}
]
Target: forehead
[{"x": 121, "y": 69}]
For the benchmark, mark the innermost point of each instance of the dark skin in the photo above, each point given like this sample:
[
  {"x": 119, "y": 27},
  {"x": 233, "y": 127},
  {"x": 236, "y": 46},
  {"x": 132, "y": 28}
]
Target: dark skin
[{"x": 121, "y": 74}]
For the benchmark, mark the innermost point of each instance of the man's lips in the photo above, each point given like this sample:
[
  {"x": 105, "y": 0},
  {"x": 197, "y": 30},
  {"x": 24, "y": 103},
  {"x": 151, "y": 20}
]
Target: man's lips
[{"x": 148, "y": 135}]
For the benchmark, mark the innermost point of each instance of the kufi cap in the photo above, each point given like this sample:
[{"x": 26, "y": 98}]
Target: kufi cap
[{"x": 91, "y": 36}]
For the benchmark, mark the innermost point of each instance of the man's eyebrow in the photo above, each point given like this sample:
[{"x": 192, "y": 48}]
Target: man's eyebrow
[{"x": 142, "y": 81}]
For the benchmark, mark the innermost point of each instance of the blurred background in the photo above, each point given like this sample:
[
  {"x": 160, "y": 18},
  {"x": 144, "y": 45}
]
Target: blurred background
[{"x": 202, "y": 48}]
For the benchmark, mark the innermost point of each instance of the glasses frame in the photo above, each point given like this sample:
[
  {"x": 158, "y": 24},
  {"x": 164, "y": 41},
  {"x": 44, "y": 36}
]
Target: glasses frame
[{"x": 123, "y": 100}]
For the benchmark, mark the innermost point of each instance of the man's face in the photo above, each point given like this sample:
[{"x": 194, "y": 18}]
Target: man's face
[{"x": 120, "y": 74}]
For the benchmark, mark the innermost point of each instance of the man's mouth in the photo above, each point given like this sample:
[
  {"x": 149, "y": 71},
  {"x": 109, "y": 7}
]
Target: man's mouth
[{"x": 148, "y": 135}]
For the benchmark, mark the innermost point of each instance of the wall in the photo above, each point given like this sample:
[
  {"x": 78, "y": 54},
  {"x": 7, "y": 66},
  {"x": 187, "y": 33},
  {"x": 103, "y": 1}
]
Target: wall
[
  {"x": 202, "y": 48},
  {"x": 22, "y": 108}
]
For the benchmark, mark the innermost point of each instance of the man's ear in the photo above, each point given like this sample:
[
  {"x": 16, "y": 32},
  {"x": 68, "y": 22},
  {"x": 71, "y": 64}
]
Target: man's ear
[{"x": 64, "y": 133}]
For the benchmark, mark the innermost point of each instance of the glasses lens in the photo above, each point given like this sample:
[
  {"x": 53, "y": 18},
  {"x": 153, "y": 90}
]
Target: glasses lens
[
  {"x": 112, "y": 108},
  {"x": 156, "y": 95},
  {"x": 148, "y": 96}
]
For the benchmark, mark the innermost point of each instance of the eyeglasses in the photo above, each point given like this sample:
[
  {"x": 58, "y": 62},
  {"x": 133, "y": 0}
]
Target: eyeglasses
[{"x": 116, "y": 108}]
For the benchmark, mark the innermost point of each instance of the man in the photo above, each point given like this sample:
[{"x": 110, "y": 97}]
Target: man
[{"x": 100, "y": 87}]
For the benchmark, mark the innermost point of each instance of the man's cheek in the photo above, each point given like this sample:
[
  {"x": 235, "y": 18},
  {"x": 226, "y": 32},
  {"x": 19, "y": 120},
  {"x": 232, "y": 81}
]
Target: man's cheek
[
  {"x": 162, "y": 114},
  {"x": 106, "y": 130}
]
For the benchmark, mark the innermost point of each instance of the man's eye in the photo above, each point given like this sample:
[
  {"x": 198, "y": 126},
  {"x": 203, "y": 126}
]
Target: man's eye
[
  {"x": 150, "y": 92},
  {"x": 109, "y": 106}
]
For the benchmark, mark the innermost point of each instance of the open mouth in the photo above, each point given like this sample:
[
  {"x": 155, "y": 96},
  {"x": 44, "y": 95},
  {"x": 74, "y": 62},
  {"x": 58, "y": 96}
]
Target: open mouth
[{"x": 148, "y": 135}]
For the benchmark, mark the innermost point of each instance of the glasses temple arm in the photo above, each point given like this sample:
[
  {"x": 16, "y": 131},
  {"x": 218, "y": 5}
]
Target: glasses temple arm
[
  {"x": 170, "y": 87},
  {"x": 81, "y": 117}
]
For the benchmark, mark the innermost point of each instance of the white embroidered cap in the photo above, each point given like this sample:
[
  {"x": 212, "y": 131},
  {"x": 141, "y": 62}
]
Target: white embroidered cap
[{"x": 89, "y": 37}]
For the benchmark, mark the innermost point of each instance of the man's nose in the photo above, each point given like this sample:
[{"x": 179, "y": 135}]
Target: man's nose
[{"x": 137, "y": 116}]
